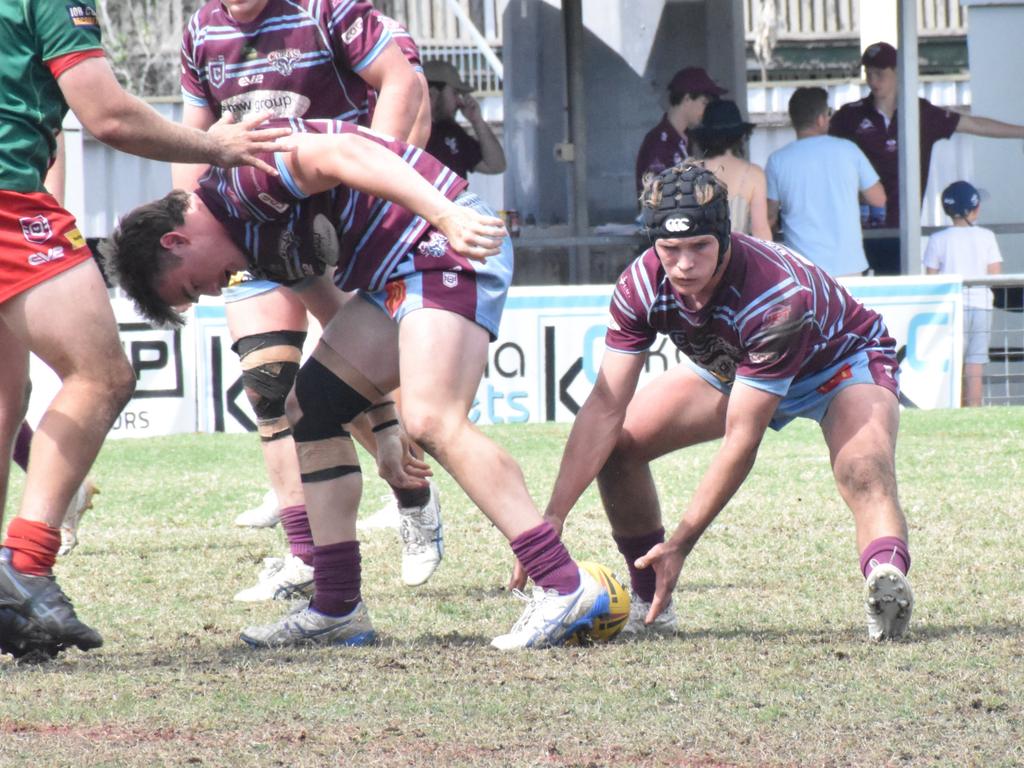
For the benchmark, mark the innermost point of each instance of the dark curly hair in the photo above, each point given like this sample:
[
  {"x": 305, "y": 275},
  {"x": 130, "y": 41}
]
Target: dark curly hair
[{"x": 134, "y": 259}]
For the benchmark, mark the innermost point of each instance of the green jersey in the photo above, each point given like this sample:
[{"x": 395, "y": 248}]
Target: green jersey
[{"x": 32, "y": 107}]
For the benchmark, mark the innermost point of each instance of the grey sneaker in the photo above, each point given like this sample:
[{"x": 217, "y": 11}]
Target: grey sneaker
[
  {"x": 80, "y": 503},
  {"x": 665, "y": 625},
  {"x": 40, "y": 600},
  {"x": 422, "y": 540},
  {"x": 888, "y": 602},
  {"x": 549, "y": 618},
  {"x": 305, "y": 626},
  {"x": 281, "y": 579}
]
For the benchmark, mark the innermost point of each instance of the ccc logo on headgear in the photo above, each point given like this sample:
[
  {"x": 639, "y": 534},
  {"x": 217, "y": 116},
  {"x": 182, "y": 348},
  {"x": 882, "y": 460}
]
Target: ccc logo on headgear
[{"x": 678, "y": 224}]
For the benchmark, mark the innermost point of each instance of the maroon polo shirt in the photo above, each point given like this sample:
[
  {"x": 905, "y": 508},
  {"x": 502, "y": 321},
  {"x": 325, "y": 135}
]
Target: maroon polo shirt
[
  {"x": 662, "y": 148},
  {"x": 453, "y": 146},
  {"x": 864, "y": 125}
]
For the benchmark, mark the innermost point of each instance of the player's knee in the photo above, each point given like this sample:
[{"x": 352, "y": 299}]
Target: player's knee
[
  {"x": 120, "y": 382},
  {"x": 270, "y": 362},
  {"x": 866, "y": 475},
  {"x": 322, "y": 403}
]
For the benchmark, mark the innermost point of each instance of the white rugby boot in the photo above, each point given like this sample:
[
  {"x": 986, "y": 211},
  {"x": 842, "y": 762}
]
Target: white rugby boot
[
  {"x": 422, "y": 540},
  {"x": 549, "y": 618},
  {"x": 305, "y": 626},
  {"x": 665, "y": 625},
  {"x": 264, "y": 515},
  {"x": 281, "y": 579},
  {"x": 80, "y": 503},
  {"x": 888, "y": 602}
]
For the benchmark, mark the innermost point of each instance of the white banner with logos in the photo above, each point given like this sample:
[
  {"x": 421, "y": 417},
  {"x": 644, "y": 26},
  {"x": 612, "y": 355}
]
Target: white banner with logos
[{"x": 541, "y": 368}]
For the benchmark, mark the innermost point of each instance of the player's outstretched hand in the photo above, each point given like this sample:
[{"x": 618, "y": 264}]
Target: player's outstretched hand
[
  {"x": 471, "y": 234},
  {"x": 667, "y": 562},
  {"x": 397, "y": 465},
  {"x": 241, "y": 142},
  {"x": 519, "y": 577}
]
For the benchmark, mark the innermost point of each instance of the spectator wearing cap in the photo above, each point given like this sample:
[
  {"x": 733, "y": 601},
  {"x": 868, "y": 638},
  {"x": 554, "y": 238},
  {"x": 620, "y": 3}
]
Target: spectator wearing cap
[
  {"x": 450, "y": 142},
  {"x": 814, "y": 183},
  {"x": 970, "y": 251},
  {"x": 871, "y": 123},
  {"x": 722, "y": 136},
  {"x": 666, "y": 145}
]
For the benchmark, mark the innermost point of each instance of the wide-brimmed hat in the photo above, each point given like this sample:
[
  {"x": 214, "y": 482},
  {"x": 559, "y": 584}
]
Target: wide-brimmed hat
[
  {"x": 722, "y": 118},
  {"x": 444, "y": 72}
]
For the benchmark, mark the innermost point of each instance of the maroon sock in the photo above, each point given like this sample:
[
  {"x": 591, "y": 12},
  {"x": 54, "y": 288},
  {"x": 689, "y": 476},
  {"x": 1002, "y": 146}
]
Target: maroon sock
[
  {"x": 411, "y": 497},
  {"x": 296, "y": 529},
  {"x": 336, "y": 577},
  {"x": 887, "y": 549},
  {"x": 546, "y": 559},
  {"x": 22, "y": 444},
  {"x": 641, "y": 579}
]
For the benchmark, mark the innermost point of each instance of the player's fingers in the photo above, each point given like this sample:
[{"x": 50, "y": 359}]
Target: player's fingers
[
  {"x": 518, "y": 580},
  {"x": 255, "y": 162},
  {"x": 657, "y": 605}
]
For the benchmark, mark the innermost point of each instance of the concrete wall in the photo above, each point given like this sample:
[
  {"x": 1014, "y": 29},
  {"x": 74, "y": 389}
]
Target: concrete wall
[{"x": 997, "y": 59}]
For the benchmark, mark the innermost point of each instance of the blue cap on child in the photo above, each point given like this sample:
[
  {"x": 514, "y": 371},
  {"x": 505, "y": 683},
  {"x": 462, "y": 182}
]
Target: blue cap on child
[{"x": 960, "y": 198}]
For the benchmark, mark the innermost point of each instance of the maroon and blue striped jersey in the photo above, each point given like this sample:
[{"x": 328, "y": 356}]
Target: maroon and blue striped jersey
[
  {"x": 775, "y": 318},
  {"x": 287, "y": 235},
  {"x": 298, "y": 58}
]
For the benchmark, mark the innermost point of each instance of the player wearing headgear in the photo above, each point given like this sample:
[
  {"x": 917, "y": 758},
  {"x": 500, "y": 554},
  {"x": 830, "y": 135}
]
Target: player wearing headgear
[
  {"x": 768, "y": 337},
  {"x": 433, "y": 268}
]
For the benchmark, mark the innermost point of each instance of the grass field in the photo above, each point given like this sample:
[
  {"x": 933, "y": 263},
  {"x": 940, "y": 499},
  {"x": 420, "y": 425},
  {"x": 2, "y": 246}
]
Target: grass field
[{"x": 772, "y": 666}]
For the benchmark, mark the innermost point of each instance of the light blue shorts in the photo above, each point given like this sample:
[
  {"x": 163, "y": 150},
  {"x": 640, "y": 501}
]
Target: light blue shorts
[
  {"x": 248, "y": 289},
  {"x": 810, "y": 398},
  {"x": 478, "y": 294}
]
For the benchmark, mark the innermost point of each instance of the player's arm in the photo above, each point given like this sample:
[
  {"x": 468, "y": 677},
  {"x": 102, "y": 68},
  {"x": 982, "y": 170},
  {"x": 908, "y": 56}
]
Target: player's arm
[
  {"x": 773, "y": 214},
  {"x": 986, "y": 126},
  {"x": 420, "y": 134},
  {"x": 324, "y": 161},
  {"x": 492, "y": 155},
  {"x": 55, "y": 176},
  {"x": 749, "y": 412},
  {"x": 759, "y": 226},
  {"x": 874, "y": 195},
  {"x": 127, "y": 123},
  {"x": 186, "y": 175},
  {"x": 400, "y": 94},
  {"x": 594, "y": 431}
]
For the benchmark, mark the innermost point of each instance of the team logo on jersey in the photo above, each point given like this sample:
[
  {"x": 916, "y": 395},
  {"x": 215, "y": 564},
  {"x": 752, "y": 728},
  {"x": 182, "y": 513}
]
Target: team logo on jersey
[
  {"x": 82, "y": 15},
  {"x": 268, "y": 199},
  {"x": 865, "y": 126},
  {"x": 452, "y": 144},
  {"x": 760, "y": 358},
  {"x": 247, "y": 80},
  {"x": 890, "y": 145},
  {"x": 54, "y": 254},
  {"x": 435, "y": 246},
  {"x": 36, "y": 229},
  {"x": 777, "y": 315},
  {"x": 449, "y": 279},
  {"x": 353, "y": 32},
  {"x": 679, "y": 224},
  {"x": 215, "y": 70},
  {"x": 284, "y": 61}
]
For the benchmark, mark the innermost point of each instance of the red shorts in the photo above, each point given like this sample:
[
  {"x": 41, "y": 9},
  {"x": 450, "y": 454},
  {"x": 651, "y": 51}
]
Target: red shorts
[{"x": 38, "y": 239}]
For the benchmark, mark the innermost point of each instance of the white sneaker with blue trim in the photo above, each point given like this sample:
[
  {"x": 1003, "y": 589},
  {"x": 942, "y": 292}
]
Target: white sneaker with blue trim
[
  {"x": 549, "y": 618},
  {"x": 305, "y": 626}
]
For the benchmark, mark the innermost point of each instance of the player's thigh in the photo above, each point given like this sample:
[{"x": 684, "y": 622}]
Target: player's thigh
[
  {"x": 366, "y": 338},
  {"x": 68, "y": 323},
  {"x": 673, "y": 411},
  {"x": 862, "y": 421},
  {"x": 279, "y": 309},
  {"x": 13, "y": 376},
  {"x": 321, "y": 297},
  {"x": 443, "y": 355}
]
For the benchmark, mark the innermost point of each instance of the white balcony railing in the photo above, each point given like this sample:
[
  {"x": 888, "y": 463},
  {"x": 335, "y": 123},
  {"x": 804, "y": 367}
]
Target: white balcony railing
[{"x": 825, "y": 19}]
